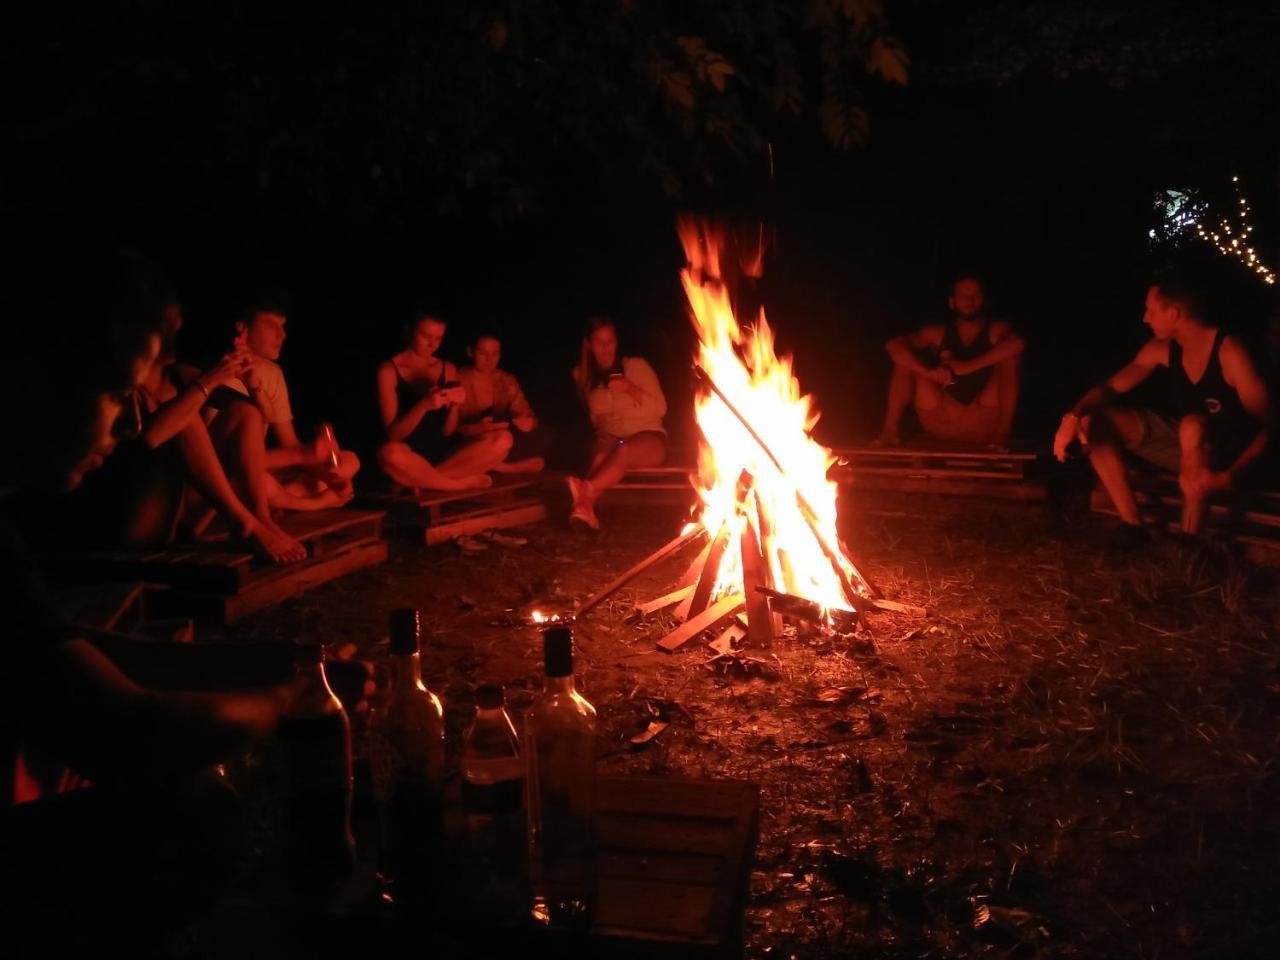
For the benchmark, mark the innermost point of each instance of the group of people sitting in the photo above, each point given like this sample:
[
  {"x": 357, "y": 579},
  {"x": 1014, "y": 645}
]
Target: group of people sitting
[
  {"x": 449, "y": 429},
  {"x": 198, "y": 445},
  {"x": 1212, "y": 430}
]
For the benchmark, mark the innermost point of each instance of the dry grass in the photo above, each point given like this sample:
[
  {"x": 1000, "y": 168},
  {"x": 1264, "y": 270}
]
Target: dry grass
[{"x": 1074, "y": 756}]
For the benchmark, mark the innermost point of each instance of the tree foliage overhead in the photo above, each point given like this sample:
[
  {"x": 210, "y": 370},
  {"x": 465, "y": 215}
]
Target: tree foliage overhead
[
  {"x": 1123, "y": 42},
  {"x": 456, "y": 103}
]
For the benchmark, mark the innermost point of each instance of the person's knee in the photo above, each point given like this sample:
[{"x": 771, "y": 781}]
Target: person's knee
[
  {"x": 499, "y": 441},
  {"x": 928, "y": 393},
  {"x": 243, "y": 416},
  {"x": 348, "y": 464},
  {"x": 392, "y": 456}
]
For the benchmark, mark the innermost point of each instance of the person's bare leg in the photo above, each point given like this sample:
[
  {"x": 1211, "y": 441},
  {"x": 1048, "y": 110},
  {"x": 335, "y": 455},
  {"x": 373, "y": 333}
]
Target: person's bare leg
[
  {"x": 1193, "y": 441},
  {"x": 240, "y": 437},
  {"x": 409, "y": 469},
  {"x": 478, "y": 456},
  {"x": 901, "y": 390},
  {"x": 1109, "y": 431},
  {"x": 210, "y": 480},
  {"x": 637, "y": 453},
  {"x": 527, "y": 465},
  {"x": 1008, "y": 378}
]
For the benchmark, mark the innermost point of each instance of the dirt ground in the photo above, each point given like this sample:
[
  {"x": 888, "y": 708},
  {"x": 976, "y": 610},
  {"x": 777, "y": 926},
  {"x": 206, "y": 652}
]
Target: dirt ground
[{"x": 1074, "y": 755}]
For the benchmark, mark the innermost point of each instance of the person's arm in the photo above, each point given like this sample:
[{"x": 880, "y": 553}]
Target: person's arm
[
  {"x": 401, "y": 423},
  {"x": 455, "y": 407},
  {"x": 1240, "y": 373},
  {"x": 175, "y": 414},
  {"x": 521, "y": 410},
  {"x": 1075, "y": 422},
  {"x": 901, "y": 350},
  {"x": 1004, "y": 345},
  {"x": 82, "y": 709},
  {"x": 647, "y": 391}
]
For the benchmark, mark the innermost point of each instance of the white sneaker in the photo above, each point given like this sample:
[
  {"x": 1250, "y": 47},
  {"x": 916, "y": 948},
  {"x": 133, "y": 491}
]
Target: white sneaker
[
  {"x": 583, "y": 516},
  {"x": 469, "y": 544}
]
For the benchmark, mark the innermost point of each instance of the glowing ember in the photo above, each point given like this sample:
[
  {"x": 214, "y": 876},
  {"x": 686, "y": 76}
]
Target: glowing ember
[
  {"x": 762, "y": 388},
  {"x": 537, "y": 616}
]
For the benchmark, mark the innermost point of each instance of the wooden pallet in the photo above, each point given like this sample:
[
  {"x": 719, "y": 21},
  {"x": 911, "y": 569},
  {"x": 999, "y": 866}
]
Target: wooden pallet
[
  {"x": 220, "y": 580},
  {"x": 438, "y": 516},
  {"x": 654, "y": 485},
  {"x": 1252, "y": 520},
  {"x": 948, "y": 470}
]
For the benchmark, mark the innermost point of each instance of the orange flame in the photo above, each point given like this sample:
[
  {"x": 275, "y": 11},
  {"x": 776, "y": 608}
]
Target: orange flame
[{"x": 762, "y": 387}]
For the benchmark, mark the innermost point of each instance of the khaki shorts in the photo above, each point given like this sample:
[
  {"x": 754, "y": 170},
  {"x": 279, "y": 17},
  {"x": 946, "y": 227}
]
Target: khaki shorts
[
  {"x": 1158, "y": 442},
  {"x": 962, "y": 422}
]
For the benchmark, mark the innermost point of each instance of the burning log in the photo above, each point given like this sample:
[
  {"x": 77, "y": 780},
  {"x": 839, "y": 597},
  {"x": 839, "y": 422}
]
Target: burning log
[
  {"x": 701, "y": 595},
  {"x": 713, "y": 616},
  {"x": 755, "y": 575},
  {"x": 831, "y": 551},
  {"x": 689, "y": 535},
  {"x": 669, "y": 600},
  {"x": 801, "y": 609}
]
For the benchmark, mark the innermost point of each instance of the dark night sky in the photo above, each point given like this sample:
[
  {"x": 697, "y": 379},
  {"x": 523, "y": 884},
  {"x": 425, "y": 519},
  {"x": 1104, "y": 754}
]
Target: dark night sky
[{"x": 1040, "y": 179}]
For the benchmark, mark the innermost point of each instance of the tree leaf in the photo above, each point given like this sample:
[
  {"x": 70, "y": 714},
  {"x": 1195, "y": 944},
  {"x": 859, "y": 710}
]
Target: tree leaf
[{"x": 889, "y": 59}]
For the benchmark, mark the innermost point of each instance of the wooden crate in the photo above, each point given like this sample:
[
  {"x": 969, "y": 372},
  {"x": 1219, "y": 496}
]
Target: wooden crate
[
  {"x": 219, "y": 580},
  {"x": 949, "y": 470},
  {"x": 675, "y": 863}
]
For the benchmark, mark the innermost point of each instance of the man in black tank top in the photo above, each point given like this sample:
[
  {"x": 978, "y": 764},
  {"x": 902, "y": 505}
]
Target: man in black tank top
[
  {"x": 962, "y": 376},
  {"x": 1217, "y": 426}
]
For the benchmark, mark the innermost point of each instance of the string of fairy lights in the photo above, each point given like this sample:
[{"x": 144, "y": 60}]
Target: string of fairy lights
[{"x": 1234, "y": 241}]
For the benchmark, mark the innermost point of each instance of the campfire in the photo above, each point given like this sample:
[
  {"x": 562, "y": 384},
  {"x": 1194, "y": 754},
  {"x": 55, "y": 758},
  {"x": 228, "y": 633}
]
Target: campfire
[{"x": 766, "y": 507}]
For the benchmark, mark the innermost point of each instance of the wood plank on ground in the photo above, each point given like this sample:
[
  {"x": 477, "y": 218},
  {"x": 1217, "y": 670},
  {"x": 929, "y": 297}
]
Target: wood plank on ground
[
  {"x": 708, "y": 619},
  {"x": 476, "y": 521}
]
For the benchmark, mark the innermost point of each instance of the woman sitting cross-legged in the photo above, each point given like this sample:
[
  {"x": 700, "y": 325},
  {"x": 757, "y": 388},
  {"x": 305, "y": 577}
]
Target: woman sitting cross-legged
[
  {"x": 495, "y": 403},
  {"x": 626, "y": 406},
  {"x": 419, "y": 396}
]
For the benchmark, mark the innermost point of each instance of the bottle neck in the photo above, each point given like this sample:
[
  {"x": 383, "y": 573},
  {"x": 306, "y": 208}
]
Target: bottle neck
[
  {"x": 562, "y": 685},
  {"x": 315, "y": 697},
  {"x": 406, "y": 671}
]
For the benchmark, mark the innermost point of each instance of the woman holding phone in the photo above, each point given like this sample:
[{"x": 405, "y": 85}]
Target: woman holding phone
[
  {"x": 419, "y": 397},
  {"x": 626, "y": 405},
  {"x": 495, "y": 402}
]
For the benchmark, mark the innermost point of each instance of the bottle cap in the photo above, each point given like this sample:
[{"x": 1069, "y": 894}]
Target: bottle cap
[
  {"x": 405, "y": 628},
  {"x": 558, "y": 651},
  {"x": 489, "y": 696}
]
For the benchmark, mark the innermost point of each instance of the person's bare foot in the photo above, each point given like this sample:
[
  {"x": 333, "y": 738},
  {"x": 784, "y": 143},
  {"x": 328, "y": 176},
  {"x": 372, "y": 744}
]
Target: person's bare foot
[
  {"x": 275, "y": 543},
  {"x": 527, "y": 465}
]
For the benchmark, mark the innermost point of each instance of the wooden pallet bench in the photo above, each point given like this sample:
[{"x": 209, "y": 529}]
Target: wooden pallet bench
[
  {"x": 950, "y": 470},
  {"x": 220, "y": 580},
  {"x": 437, "y": 516},
  {"x": 1251, "y": 519},
  {"x": 654, "y": 485}
]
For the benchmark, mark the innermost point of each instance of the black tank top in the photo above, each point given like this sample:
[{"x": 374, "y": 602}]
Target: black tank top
[
  {"x": 1211, "y": 395},
  {"x": 430, "y": 429},
  {"x": 965, "y": 389}
]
